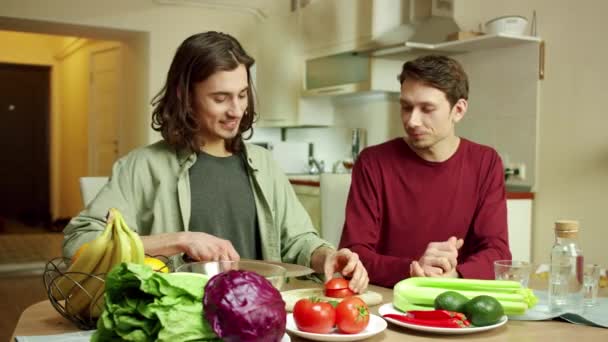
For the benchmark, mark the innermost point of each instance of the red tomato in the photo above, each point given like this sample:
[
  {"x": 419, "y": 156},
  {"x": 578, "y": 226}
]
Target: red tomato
[
  {"x": 341, "y": 293},
  {"x": 352, "y": 315},
  {"x": 314, "y": 316},
  {"x": 336, "y": 284},
  {"x": 338, "y": 288}
]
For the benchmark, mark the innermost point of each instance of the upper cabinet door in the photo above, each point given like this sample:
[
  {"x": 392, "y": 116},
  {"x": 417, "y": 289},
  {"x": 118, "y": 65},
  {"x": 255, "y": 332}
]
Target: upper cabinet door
[
  {"x": 278, "y": 69},
  {"x": 329, "y": 25}
]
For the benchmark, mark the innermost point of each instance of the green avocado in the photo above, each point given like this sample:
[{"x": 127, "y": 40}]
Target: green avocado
[
  {"x": 451, "y": 301},
  {"x": 483, "y": 310}
]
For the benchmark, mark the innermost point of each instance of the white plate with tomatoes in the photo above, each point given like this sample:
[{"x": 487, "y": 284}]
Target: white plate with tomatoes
[
  {"x": 349, "y": 320},
  {"x": 375, "y": 326},
  {"x": 390, "y": 309},
  {"x": 334, "y": 290}
]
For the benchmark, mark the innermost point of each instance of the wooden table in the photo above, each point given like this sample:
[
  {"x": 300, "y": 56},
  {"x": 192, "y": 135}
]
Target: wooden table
[{"x": 42, "y": 319}]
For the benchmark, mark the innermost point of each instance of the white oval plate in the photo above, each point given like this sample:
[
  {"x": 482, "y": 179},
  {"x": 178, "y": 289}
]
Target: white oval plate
[
  {"x": 390, "y": 309},
  {"x": 286, "y": 338},
  {"x": 376, "y": 325}
]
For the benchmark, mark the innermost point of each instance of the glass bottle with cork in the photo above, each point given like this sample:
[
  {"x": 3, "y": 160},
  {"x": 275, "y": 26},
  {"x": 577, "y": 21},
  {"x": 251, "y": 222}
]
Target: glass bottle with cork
[{"x": 566, "y": 272}]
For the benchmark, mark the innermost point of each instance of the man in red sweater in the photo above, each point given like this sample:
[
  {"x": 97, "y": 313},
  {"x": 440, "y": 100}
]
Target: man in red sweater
[{"x": 431, "y": 203}]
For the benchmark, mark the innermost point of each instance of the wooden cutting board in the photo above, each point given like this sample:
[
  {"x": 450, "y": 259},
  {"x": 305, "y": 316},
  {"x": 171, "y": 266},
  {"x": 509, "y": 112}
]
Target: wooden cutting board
[{"x": 291, "y": 297}]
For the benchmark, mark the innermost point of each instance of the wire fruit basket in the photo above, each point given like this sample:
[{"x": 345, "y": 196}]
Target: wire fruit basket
[
  {"x": 64, "y": 302},
  {"x": 69, "y": 303}
]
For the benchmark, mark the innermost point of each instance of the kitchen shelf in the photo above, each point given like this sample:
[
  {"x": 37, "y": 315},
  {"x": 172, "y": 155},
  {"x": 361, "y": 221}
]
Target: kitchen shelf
[{"x": 454, "y": 47}]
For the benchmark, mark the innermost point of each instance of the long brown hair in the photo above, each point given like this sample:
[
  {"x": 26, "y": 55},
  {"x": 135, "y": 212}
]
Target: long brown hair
[
  {"x": 440, "y": 72},
  {"x": 196, "y": 59}
]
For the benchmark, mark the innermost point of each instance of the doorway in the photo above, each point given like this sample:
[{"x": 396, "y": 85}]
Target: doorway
[
  {"x": 71, "y": 53},
  {"x": 25, "y": 143}
]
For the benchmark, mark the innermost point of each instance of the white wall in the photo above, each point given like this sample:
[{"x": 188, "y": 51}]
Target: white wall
[
  {"x": 330, "y": 143},
  {"x": 503, "y": 105},
  {"x": 573, "y": 152},
  {"x": 378, "y": 114}
]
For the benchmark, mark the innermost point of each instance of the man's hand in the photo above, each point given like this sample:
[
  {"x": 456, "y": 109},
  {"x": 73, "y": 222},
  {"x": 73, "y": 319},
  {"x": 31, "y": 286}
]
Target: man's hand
[
  {"x": 417, "y": 271},
  {"x": 345, "y": 261},
  {"x": 196, "y": 245},
  {"x": 205, "y": 247},
  {"x": 439, "y": 260}
]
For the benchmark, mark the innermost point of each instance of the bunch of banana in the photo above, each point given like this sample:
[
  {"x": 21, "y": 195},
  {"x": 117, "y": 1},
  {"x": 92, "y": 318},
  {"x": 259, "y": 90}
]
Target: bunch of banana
[{"x": 82, "y": 284}]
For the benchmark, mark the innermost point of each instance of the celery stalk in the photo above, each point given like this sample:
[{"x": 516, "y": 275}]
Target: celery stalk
[
  {"x": 422, "y": 291},
  {"x": 402, "y": 304}
]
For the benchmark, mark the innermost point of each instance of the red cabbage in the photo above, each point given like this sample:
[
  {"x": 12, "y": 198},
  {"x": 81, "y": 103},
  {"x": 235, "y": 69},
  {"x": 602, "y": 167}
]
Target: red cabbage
[{"x": 244, "y": 306}]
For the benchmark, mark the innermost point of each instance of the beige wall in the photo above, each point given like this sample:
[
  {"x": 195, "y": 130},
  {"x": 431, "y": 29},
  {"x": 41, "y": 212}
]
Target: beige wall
[
  {"x": 573, "y": 150},
  {"x": 167, "y": 26},
  {"x": 74, "y": 93},
  {"x": 73, "y": 89},
  {"x": 136, "y": 105}
]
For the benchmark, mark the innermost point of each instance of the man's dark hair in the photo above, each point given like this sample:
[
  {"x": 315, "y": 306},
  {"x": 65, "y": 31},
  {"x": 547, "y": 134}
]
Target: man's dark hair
[
  {"x": 196, "y": 59},
  {"x": 441, "y": 72}
]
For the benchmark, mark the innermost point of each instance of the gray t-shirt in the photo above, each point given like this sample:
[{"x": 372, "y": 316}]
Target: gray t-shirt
[{"x": 223, "y": 204}]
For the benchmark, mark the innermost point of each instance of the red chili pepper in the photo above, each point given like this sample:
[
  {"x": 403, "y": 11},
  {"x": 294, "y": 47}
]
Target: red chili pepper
[
  {"x": 441, "y": 323},
  {"x": 436, "y": 314}
]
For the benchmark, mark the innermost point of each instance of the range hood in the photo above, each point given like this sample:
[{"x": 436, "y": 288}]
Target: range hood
[
  {"x": 398, "y": 21},
  {"x": 362, "y": 67}
]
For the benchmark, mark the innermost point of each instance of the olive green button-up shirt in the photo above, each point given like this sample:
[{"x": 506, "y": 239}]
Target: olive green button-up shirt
[{"x": 151, "y": 188}]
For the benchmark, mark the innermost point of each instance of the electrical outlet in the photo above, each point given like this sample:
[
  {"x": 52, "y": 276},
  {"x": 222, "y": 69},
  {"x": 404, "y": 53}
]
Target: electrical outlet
[
  {"x": 519, "y": 171},
  {"x": 515, "y": 171}
]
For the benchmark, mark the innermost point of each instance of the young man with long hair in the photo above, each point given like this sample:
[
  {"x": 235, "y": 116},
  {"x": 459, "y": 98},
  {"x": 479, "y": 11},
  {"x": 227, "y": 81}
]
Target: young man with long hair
[{"x": 201, "y": 190}]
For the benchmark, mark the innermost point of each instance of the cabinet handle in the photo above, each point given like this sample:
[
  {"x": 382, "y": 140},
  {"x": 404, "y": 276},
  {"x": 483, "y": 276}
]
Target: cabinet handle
[
  {"x": 330, "y": 90},
  {"x": 541, "y": 61}
]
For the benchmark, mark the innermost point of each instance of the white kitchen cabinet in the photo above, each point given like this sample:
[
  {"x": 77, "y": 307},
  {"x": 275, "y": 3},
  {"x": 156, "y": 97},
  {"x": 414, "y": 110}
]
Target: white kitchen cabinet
[
  {"x": 329, "y": 24},
  {"x": 334, "y": 194},
  {"x": 349, "y": 73},
  {"x": 279, "y": 69},
  {"x": 309, "y": 196},
  {"x": 519, "y": 220},
  {"x": 277, "y": 72}
]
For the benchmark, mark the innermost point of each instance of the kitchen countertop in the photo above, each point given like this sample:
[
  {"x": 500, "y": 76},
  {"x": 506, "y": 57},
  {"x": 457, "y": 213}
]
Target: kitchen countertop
[
  {"x": 303, "y": 179},
  {"x": 314, "y": 180}
]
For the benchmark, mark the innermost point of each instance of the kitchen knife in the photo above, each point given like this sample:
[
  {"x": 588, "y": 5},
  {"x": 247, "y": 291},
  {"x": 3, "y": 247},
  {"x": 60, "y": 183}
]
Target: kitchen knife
[{"x": 293, "y": 270}]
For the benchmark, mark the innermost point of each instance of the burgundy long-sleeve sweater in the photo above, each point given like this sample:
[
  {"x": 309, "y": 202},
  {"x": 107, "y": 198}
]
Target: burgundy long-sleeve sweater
[{"x": 398, "y": 203}]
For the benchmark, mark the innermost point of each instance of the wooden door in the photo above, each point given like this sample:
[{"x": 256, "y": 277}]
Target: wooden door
[
  {"x": 25, "y": 142},
  {"x": 105, "y": 111}
]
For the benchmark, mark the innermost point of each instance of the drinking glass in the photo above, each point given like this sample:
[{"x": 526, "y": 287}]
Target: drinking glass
[
  {"x": 513, "y": 270},
  {"x": 591, "y": 281}
]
